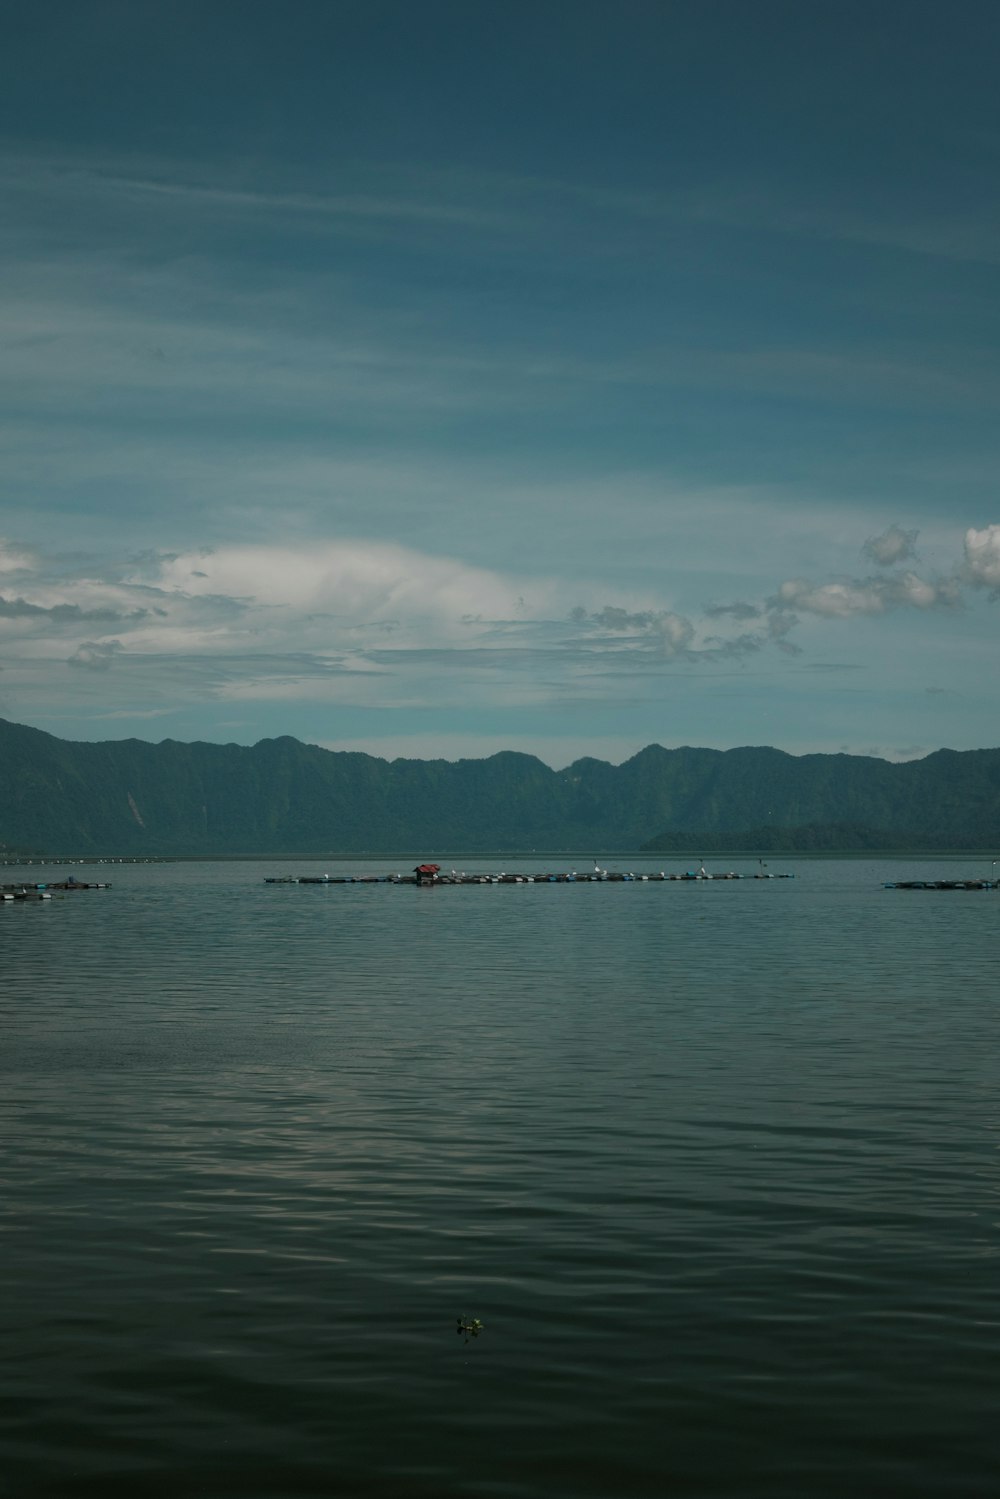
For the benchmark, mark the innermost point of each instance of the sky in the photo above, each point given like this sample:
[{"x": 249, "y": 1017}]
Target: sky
[{"x": 436, "y": 378}]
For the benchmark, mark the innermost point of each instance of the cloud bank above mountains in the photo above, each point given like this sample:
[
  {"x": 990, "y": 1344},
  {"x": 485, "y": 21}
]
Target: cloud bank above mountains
[{"x": 377, "y": 625}]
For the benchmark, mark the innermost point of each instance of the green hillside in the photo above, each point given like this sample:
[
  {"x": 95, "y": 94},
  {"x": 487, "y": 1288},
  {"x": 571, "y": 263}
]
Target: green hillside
[{"x": 129, "y": 797}]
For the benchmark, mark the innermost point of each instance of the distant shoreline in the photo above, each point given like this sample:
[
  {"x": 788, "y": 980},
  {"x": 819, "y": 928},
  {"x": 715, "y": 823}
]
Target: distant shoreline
[{"x": 690, "y": 852}]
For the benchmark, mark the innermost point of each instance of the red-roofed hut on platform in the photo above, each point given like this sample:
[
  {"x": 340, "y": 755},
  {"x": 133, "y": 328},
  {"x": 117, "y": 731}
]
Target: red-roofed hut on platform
[{"x": 426, "y": 873}]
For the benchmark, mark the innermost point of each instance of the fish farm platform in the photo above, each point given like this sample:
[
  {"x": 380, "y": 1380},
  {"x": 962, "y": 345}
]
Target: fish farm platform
[
  {"x": 942, "y": 885},
  {"x": 23, "y": 888},
  {"x": 509, "y": 879}
]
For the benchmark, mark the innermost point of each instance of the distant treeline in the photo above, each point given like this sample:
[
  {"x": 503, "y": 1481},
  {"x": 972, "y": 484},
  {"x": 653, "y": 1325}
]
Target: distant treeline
[
  {"x": 829, "y": 837},
  {"x": 132, "y": 798}
]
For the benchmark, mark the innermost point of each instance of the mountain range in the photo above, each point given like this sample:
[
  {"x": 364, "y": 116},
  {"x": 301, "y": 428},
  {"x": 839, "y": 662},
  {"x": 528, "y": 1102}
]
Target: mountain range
[{"x": 131, "y": 798}]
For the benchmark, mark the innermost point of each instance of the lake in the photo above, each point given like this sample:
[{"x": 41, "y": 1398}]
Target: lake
[{"x": 714, "y": 1164}]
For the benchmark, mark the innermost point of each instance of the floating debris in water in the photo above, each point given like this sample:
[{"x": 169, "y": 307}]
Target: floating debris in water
[{"x": 470, "y": 1329}]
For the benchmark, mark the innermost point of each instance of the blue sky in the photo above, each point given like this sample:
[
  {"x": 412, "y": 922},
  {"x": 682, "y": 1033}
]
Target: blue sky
[{"x": 437, "y": 378}]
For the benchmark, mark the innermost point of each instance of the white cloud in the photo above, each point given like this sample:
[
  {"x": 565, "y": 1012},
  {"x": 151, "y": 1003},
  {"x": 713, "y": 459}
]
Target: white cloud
[
  {"x": 94, "y": 656},
  {"x": 982, "y": 557},
  {"x": 734, "y": 611},
  {"x": 667, "y": 634},
  {"x": 377, "y": 626},
  {"x": 353, "y": 586},
  {"x": 894, "y": 545},
  {"x": 832, "y": 600},
  {"x": 848, "y": 598},
  {"x": 918, "y": 593},
  {"x": 14, "y": 559}
]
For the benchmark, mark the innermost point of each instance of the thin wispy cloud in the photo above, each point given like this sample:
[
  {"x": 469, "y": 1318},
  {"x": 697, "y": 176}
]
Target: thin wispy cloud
[{"x": 937, "y": 233}]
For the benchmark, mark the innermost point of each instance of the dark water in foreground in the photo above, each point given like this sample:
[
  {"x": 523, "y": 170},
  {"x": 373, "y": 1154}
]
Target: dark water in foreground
[{"x": 716, "y": 1166}]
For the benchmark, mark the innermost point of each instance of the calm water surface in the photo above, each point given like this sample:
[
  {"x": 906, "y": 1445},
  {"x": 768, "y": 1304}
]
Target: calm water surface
[{"x": 715, "y": 1165}]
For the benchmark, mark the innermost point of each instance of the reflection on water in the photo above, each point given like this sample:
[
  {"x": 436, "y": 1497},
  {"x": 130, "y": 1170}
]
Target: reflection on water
[{"x": 714, "y": 1166}]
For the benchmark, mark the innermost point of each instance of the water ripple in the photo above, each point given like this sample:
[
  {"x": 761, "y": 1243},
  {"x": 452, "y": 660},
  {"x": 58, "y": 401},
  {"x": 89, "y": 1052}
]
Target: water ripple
[{"x": 716, "y": 1166}]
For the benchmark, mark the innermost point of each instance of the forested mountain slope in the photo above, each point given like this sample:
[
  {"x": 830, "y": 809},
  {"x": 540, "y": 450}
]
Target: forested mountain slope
[{"x": 282, "y": 796}]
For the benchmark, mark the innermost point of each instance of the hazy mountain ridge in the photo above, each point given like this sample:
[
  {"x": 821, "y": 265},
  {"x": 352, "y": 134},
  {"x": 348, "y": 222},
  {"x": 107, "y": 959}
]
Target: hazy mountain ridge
[{"x": 283, "y": 796}]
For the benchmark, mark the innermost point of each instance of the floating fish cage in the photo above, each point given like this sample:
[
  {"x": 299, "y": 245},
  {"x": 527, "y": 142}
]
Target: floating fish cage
[
  {"x": 24, "y": 885},
  {"x": 573, "y": 878},
  {"x": 942, "y": 885},
  {"x": 43, "y": 890}
]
